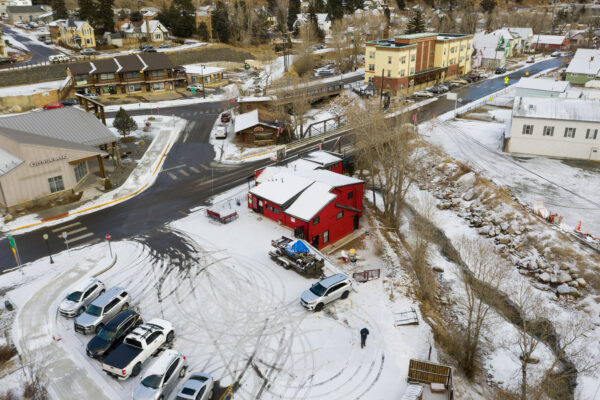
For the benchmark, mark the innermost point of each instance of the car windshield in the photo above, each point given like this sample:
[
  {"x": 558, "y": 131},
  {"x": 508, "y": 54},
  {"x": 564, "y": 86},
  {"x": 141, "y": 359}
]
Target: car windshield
[
  {"x": 75, "y": 296},
  {"x": 106, "y": 334},
  {"x": 318, "y": 289},
  {"x": 152, "y": 381},
  {"x": 94, "y": 310}
]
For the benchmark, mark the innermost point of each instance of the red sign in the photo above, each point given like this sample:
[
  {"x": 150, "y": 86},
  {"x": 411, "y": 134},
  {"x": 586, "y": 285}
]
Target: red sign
[
  {"x": 232, "y": 101},
  {"x": 259, "y": 129},
  {"x": 107, "y": 237}
]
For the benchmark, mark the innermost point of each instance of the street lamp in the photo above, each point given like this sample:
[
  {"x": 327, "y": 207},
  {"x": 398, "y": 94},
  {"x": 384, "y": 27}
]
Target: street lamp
[
  {"x": 45, "y": 236},
  {"x": 202, "y": 73}
]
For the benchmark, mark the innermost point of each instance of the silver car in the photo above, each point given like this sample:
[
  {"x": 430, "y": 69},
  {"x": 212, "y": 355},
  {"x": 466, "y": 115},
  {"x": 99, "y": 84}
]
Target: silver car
[
  {"x": 325, "y": 291},
  {"x": 80, "y": 297},
  {"x": 162, "y": 377},
  {"x": 102, "y": 310},
  {"x": 199, "y": 386}
]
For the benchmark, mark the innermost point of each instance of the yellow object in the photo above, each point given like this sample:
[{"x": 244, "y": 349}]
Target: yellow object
[
  {"x": 527, "y": 73},
  {"x": 352, "y": 252},
  {"x": 506, "y": 80}
]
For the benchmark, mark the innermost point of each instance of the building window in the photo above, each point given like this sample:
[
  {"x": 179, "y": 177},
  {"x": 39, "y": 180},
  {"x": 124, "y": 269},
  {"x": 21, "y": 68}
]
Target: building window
[
  {"x": 272, "y": 209},
  {"x": 389, "y": 73},
  {"x": 88, "y": 41},
  {"x": 548, "y": 131},
  {"x": 460, "y": 59},
  {"x": 412, "y": 58},
  {"x": 403, "y": 60},
  {"x": 157, "y": 36},
  {"x": 389, "y": 60},
  {"x": 401, "y": 86},
  {"x": 159, "y": 86},
  {"x": 527, "y": 129},
  {"x": 350, "y": 195},
  {"x": 340, "y": 215},
  {"x": 134, "y": 74},
  {"x": 570, "y": 132},
  {"x": 56, "y": 184},
  {"x": 135, "y": 87},
  {"x": 402, "y": 73},
  {"x": 371, "y": 80},
  {"x": 158, "y": 73},
  {"x": 316, "y": 220},
  {"x": 81, "y": 171},
  {"x": 325, "y": 237},
  {"x": 81, "y": 79},
  {"x": 107, "y": 76},
  {"x": 445, "y": 51},
  {"x": 412, "y": 71},
  {"x": 371, "y": 67},
  {"x": 452, "y": 49},
  {"x": 372, "y": 55},
  {"x": 591, "y": 134}
]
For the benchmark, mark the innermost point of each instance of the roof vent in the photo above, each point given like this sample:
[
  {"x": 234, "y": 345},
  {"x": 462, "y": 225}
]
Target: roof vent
[{"x": 532, "y": 106}]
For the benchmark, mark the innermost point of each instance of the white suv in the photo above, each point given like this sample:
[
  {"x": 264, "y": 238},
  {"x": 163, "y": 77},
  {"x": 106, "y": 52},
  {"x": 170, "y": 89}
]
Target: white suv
[
  {"x": 221, "y": 132},
  {"x": 334, "y": 287},
  {"x": 80, "y": 297}
]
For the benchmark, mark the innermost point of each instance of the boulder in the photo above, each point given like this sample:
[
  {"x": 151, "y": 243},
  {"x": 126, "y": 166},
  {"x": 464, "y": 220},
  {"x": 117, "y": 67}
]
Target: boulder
[
  {"x": 544, "y": 277},
  {"x": 455, "y": 202},
  {"x": 503, "y": 239},
  {"x": 467, "y": 180},
  {"x": 504, "y": 226},
  {"x": 438, "y": 269},
  {"x": 563, "y": 289},
  {"x": 469, "y": 195},
  {"x": 581, "y": 282},
  {"x": 8, "y": 218},
  {"x": 444, "y": 206}
]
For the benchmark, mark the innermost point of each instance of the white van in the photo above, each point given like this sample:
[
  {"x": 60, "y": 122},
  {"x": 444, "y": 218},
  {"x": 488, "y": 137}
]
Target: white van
[{"x": 58, "y": 58}]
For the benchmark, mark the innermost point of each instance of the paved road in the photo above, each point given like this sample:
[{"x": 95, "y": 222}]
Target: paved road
[
  {"x": 189, "y": 178},
  {"x": 39, "y": 52}
]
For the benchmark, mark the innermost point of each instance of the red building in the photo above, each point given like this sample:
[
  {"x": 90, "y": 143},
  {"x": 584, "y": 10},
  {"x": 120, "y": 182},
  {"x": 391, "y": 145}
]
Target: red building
[
  {"x": 320, "y": 205},
  {"x": 549, "y": 42}
]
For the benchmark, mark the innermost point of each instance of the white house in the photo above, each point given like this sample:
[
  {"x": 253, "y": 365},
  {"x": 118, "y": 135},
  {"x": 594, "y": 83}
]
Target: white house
[
  {"x": 322, "y": 21},
  {"x": 152, "y": 29},
  {"x": 556, "y": 127},
  {"x": 540, "y": 87}
]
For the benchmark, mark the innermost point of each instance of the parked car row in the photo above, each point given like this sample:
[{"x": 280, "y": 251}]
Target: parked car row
[{"x": 124, "y": 343}]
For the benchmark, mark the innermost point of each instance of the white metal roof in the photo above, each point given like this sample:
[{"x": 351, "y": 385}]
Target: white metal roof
[
  {"x": 330, "y": 178},
  {"x": 548, "y": 39},
  {"x": 282, "y": 187},
  {"x": 557, "y": 108},
  {"x": 245, "y": 121},
  {"x": 585, "y": 61},
  {"x": 549, "y": 85},
  {"x": 311, "y": 201},
  {"x": 203, "y": 71},
  {"x": 323, "y": 158}
]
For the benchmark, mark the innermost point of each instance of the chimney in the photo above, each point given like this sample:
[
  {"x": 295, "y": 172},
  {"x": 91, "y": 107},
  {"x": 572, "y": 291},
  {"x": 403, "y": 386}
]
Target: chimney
[{"x": 148, "y": 29}]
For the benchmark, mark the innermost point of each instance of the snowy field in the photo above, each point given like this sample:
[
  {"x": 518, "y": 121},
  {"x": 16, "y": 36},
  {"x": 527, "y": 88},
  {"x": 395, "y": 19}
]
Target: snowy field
[
  {"x": 568, "y": 188},
  {"x": 236, "y": 315}
]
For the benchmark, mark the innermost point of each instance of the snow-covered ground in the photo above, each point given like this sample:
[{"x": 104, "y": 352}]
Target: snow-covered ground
[
  {"x": 568, "y": 188},
  {"x": 236, "y": 315},
  {"x": 28, "y": 90},
  {"x": 165, "y": 131}
]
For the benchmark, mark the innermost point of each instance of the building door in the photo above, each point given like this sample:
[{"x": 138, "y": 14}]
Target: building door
[
  {"x": 299, "y": 232},
  {"x": 595, "y": 154},
  {"x": 260, "y": 206},
  {"x": 355, "y": 222},
  {"x": 315, "y": 241}
]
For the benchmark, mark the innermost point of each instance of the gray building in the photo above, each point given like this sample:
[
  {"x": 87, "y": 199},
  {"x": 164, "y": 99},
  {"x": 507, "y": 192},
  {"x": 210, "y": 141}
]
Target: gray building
[
  {"x": 24, "y": 13},
  {"x": 540, "y": 87}
]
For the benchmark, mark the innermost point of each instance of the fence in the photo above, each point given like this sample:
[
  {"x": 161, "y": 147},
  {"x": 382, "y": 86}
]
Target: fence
[
  {"x": 321, "y": 127},
  {"x": 223, "y": 219},
  {"x": 367, "y": 275},
  {"x": 428, "y": 372}
]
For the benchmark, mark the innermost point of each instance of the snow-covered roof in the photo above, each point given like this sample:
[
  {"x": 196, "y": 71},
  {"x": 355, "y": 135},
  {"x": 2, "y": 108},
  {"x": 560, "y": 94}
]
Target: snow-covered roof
[
  {"x": 8, "y": 162},
  {"x": 311, "y": 201},
  {"x": 70, "y": 23},
  {"x": 523, "y": 33},
  {"x": 323, "y": 158},
  {"x": 281, "y": 187},
  {"x": 331, "y": 178},
  {"x": 548, "y": 39},
  {"x": 585, "y": 61},
  {"x": 245, "y": 121},
  {"x": 557, "y": 108},
  {"x": 198, "y": 69},
  {"x": 549, "y": 85},
  {"x": 484, "y": 40}
]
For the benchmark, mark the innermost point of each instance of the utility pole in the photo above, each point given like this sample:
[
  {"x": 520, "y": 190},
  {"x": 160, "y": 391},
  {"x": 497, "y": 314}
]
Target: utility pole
[
  {"x": 381, "y": 90},
  {"x": 553, "y": 13}
]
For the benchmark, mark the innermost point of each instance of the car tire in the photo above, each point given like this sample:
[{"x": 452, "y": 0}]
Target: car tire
[
  {"x": 170, "y": 337},
  {"x": 136, "y": 369},
  {"x": 319, "y": 307},
  {"x": 345, "y": 294},
  {"x": 210, "y": 395},
  {"x": 99, "y": 328},
  {"x": 182, "y": 372},
  {"x": 125, "y": 307},
  {"x": 101, "y": 292}
]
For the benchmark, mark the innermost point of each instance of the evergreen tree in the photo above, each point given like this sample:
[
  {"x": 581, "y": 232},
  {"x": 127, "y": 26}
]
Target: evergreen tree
[
  {"x": 335, "y": 9},
  {"x": 488, "y": 5},
  {"x": 416, "y": 24},
  {"x": 135, "y": 16},
  {"x": 184, "y": 24},
  {"x": 220, "y": 22},
  {"x": 314, "y": 21},
  {"x": 87, "y": 11},
  {"x": 388, "y": 15},
  {"x": 293, "y": 11},
  {"x": 401, "y": 4},
  {"x": 353, "y": 5},
  {"x": 105, "y": 15},
  {"x": 124, "y": 123},
  {"x": 203, "y": 31},
  {"x": 60, "y": 10}
]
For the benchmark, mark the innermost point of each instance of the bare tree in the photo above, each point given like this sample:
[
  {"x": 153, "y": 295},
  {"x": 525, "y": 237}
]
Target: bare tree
[
  {"x": 482, "y": 274},
  {"x": 339, "y": 42},
  {"x": 389, "y": 150}
]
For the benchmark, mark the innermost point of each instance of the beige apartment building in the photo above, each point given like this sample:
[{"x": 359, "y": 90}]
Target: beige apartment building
[{"x": 411, "y": 62}]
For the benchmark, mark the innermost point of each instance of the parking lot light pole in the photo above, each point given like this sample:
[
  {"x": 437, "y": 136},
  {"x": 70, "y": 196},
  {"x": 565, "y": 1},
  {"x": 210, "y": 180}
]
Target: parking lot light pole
[
  {"x": 45, "y": 236},
  {"x": 202, "y": 73}
]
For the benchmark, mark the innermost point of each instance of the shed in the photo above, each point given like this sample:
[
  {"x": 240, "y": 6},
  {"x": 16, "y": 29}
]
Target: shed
[{"x": 259, "y": 127}]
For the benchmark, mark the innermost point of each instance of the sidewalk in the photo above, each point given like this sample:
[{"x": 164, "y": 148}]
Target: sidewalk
[{"x": 142, "y": 177}]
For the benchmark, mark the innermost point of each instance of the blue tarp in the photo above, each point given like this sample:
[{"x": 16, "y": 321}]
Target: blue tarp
[{"x": 297, "y": 247}]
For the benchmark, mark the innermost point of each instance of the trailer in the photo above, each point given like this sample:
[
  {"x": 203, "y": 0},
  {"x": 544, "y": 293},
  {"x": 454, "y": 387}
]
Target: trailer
[{"x": 296, "y": 254}]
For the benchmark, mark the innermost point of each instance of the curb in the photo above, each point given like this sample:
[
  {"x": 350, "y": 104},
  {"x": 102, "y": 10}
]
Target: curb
[{"x": 112, "y": 264}]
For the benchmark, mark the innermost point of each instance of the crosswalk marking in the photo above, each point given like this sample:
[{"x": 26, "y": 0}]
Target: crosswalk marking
[
  {"x": 83, "y": 228},
  {"x": 62, "y": 228},
  {"x": 182, "y": 172},
  {"x": 204, "y": 167},
  {"x": 173, "y": 176},
  {"x": 75, "y": 239},
  {"x": 196, "y": 170}
]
